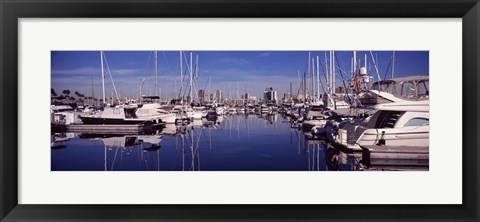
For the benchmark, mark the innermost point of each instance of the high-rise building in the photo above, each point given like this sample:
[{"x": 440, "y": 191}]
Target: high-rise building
[
  {"x": 218, "y": 96},
  {"x": 201, "y": 95},
  {"x": 269, "y": 95}
]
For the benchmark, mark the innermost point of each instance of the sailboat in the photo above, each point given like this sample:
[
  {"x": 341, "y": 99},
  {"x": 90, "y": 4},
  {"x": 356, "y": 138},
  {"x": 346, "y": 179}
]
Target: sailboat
[
  {"x": 154, "y": 110},
  {"x": 191, "y": 112},
  {"x": 121, "y": 115}
]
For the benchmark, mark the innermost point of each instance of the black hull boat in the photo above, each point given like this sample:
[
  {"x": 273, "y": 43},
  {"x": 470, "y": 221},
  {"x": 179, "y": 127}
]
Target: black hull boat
[
  {"x": 113, "y": 121},
  {"x": 115, "y": 116},
  {"x": 211, "y": 115}
]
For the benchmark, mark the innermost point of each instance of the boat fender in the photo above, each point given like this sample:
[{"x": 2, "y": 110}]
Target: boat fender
[
  {"x": 317, "y": 130},
  {"x": 331, "y": 134},
  {"x": 329, "y": 123},
  {"x": 332, "y": 158}
]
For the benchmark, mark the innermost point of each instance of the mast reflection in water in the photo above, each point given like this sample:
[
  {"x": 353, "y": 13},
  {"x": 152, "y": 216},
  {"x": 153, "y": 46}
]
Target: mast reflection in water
[{"x": 263, "y": 142}]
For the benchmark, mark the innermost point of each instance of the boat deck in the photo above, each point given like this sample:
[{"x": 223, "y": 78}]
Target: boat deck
[
  {"x": 397, "y": 156},
  {"x": 84, "y": 128}
]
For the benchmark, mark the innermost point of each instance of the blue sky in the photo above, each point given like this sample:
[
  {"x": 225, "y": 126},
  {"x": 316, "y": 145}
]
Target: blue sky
[{"x": 252, "y": 70}]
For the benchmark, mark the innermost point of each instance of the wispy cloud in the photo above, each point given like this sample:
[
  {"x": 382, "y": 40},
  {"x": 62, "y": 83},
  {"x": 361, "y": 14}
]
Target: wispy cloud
[
  {"x": 125, "y": 71},
  {"x": 88, "y": 71},
  {"x": 264, "y": 54},
  {"x": 77, "y": 71},
  {"x": 254, "y": 81},
  {"x": 236, "y": 61}
]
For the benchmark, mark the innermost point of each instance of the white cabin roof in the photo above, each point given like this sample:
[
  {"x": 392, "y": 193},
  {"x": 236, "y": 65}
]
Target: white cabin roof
[
  {"x": 398, "y": 104},
  {"x": 414, "y": 106},
  {"x": 387, "y": 96}
]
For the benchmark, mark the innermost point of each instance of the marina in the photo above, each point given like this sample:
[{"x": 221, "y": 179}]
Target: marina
[
  {"x": 330, "y": 118},
  {"x": 238, "y": 142}
]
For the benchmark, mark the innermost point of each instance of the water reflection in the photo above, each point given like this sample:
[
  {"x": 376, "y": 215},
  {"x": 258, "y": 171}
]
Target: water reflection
[{"x": 242, "y": 142}]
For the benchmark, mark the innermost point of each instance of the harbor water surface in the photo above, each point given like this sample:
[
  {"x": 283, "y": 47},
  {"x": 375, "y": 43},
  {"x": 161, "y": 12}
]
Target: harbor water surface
[{"x": 239, "y": 142}]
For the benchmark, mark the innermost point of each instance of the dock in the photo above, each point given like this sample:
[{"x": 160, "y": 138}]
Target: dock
[
  {"x": 395, "y": 157},
  {"x": 83, "y": 128}
]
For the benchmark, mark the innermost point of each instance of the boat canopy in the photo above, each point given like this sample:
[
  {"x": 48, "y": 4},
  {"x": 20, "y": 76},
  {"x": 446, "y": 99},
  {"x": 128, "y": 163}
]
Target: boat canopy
[{"x": 408, "y": 88}]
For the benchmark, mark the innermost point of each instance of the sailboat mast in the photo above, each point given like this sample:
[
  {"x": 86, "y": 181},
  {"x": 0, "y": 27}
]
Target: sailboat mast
[
  {"x": 191, "y": 77},
  {"x": 196, "y": 67},
  {"x": 314, "y": 97},
  {"x": 351, "y": 67},
  {"x": 298, "y": 81},
  {"x": 209, "y": 89},
  {"x": 103, "y": 76},
  {"x": 181, "y": 77},
  {"x": 365, "y": 61},
  {"x": 196, "y": 76},
  {"x": 93, "y": 95},
  {"x": 333, "y": 72},
  {"x": 156, "y": 73},
  {"x": 354, "y": 68},
  {"x": 326, "y": 73},
  {"x": 304, "y": 88},
  {"x": 308, "y": 71},
  {"x": 393, "y": 63},
  {"x": 330, "y": 75},
  {"x": 174, "y": 86},
  {"x": 290, "y": 92},
  {"x": 246, "y": 94},
  {"x": 318, "y": 78}
]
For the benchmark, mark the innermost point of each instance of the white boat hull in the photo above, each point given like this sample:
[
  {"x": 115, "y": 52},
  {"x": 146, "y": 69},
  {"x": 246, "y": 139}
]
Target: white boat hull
[
  {"x": 194, "y": 114},
  {"x": 405, "y": 136}
]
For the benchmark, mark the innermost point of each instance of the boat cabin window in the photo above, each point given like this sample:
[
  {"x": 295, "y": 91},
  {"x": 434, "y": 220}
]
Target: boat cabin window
[
  {"x": 130, "y": 113},
  {"x": 417, "y": 122},
  {"x": 408, "y": 90},
  {"x": 423, "y": 88},
  {"x": 387, "y": 119}
]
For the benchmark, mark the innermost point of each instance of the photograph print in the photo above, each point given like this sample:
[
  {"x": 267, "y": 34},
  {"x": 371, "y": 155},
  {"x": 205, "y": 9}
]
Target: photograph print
[{"x": 239, "y": 110}]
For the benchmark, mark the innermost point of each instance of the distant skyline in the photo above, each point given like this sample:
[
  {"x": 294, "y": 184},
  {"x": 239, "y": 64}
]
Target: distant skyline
[{"x": 250, "y": 70}]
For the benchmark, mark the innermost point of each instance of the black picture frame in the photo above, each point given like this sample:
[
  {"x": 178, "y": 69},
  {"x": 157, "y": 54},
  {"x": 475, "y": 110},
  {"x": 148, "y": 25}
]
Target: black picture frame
[{"x": 10, "y": 11}]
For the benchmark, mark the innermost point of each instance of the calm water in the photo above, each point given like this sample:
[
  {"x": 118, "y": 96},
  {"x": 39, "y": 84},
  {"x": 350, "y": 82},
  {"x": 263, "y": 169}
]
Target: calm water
[{"x": 234, "y": 143}]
